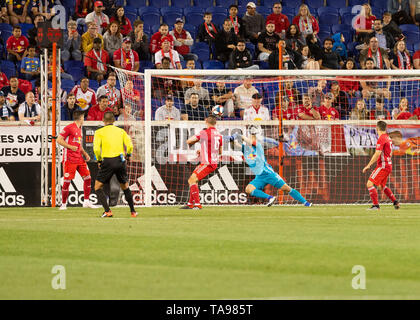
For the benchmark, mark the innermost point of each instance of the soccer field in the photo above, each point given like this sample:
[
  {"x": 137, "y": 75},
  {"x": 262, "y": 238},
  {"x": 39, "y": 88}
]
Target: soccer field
[{"x": 217, "y": 253}]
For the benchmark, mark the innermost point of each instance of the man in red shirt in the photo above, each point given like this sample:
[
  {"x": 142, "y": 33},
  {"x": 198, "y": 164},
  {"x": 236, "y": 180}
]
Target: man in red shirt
[
  {"x": 126, "y": 58},
  {"x": 327, "y": 111},
  {"x": 71, "y": 139},
  {"x": 96, "y": 61},
  {"x": 156, "y": 39},
  {"x": 16, "y": 45},
  {"x": 281, "y": 21},
  {"x": 288, "y": 112},
  {"x": 96, "y": 113},
  {"x": 307, "y": 111},
  {"x": 3, "y": 80},
  {"x": 416, "y": 59},
  {"x": 380, "y": 113},
  {"x": 380, "y": 175},
  {"x": 211, "y": 148},
  {"x": 183, "y": 40},
  {"x": 416, "y": 113}
]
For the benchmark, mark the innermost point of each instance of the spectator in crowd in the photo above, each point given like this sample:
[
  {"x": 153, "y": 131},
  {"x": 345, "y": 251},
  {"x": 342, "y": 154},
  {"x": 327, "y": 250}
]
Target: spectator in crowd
[
  {"x": 59, "y": 69},
  {"x": 340, "y": 101},
  {"x": 6, "y": 113},
  {"x": 126, "y": 58},
  {"x": 221, "y": 95},
  {"x": 402, "y": 112},
  {"x": 308, "y": 60},
  {"x": 101, "y": 19},
  {"x": 33, "y": 32},
  {"x": 294, "y": 39},
  {"x": 351, "y": 86},
  {"x": 380, "y": 113},
  {"x": 167, "y": 51},
  {"x": 168, "y": 111},
  {"x": 415, "y": 11},
  {"x": 117, "y": 112},
  {"x": 96, "y": 113},
  {"x": 16, "y": 45},
  {"x": 29, "y": 110},
  {"x": 225, "y": 42},
  {"x": 257, "y": 111},
  {"x": 189, "y": 65},
  {"x": 113, "y": 38},
  {"x": 315, "y": 48},
  {"x": 203, "y": 93},
  {"x": 110, "y": 91},
  {"x": 207, "y": 31},
  {"x": 110, "y": 7},
  {"x": 378, "y": 54},
  {"x": 156, "y": 39},
  {"x": 291, "y": 59},
  {"x": 123, "y": 21},
  {"x": 194, "y": 110},
  {"x": 400, "y": 57},
  {"x": 72, "y": 42},
  {"x": 85, "y": 96},
  {"x": 96, "y": 61},
  {"x": 140, "y": 41},
  {"x": 307, "y": 111},
  {"x": 82, "y": 8},
  {"x": 281, "y": 21},
  {"x": 42, "y": 7},
  {"x": 129, "y": 94},
  {"x": 254, "y": 23},
  {"x": 69, "y": 107},
  {"x": 89, "y": 36},
  {"x": 391, "y": 27},
  {"x": 182, "y": 41},
  {"x": 14, "y": 96},
  {"x": 363, "y": 23},
  {"x": 339, "y": 46},
  {"x": 126, "y": 114},
  {"x": 293, "y": 94},
  {"x": 286, "y": 110},
  {"x": 238, "y": 26},
  {"x": 416, "y": 59},
  {"x": 360, "y": 111},
  {"x": 385, "y": 39},
  {"x": 30, "y": 65},
  {"x": 18, "y": 11},
  {"x": 267, "y": 41},
  {"x": 326, "y": 110},
  {"x": 317, "y": 93},
  {"x": 305, "y": 21},
  {"x": 241, "y": 58},
  {"x": 4, "y": 15},
  {"x": 331, "y": 59},
  {"x": 163, "y": 86},
  {"x": 3, "y": 80},
  {"x": 374, "y": 88},
  {"x": 400, "y": 10},
  {"x": 416, "y": 114},
  {"x": 243, "y": 96}
]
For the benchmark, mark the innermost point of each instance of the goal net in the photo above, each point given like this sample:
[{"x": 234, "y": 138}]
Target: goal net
[{"x": 323, "y": 157}]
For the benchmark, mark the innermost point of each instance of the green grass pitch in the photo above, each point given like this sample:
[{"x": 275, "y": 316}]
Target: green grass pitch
[{"x": 253, "y": 252}]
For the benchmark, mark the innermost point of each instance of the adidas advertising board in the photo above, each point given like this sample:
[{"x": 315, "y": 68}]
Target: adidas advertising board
[
  {"x": 8, "y": 195},
  {"x": 76, "y": 194}
]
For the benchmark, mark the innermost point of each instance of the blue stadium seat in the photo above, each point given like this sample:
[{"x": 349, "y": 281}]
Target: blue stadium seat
[
  {"x": 151, "y": 18},
  {"x": 5, "y": 35},
  {"x": 146, "y": 64},
  {"x": 214, "y": 10},
  {"x": 378, "y": 12},
  {"x": 380, "y": 3},
  {"x": 213, "y": 64},
  {"x": 409, "y": 27},
  {"x": 251, "y": 47},
  {"x": 346, "y": 30},
  {"x": 8, "y": 67},
  {"x": 136, "y": 3},
  {"x": 77, "y": 74},
  {"x": 225, "y": 3},
  {"x": 159, "y": 3},
  {"x": 5, "y": 27},
  {"x": 166, "y": 10},
  {"x": 288, "y": 10},
  {"x": 131, "y": 16},
  {"x": 345, "y": 10},
  {"x": 244, "y": 2},
  {"x": 325, "y": 27},
  {"x": 67, "y": 83},
  {"x": 356, "y": 2},
  {"x": 336, "y": 3},
  {"x": 203, "y": 3},
  {"x": 323, "y": 10},
  {"x": 412, "y": 37},
  {"x": 154, "y": 28},
  {"x": 192, "y": 30},
  {"x": 72, "y": 64},
  {"x": 265, "y": 11},
  {"x": 203, "y": 54},
  {"x": 315, "y": 3},
  {"x": 181, "y": 3},
  {"x": 323, "y": 35},
  {"x": 292, "y": 3},
  {"x": 329, "y": 18},
  {"x": 268, "y": 3},
  {"x": 194, "y": 16},
  {"x": 170, "y": 14},
  {"x": 131, "y": 9},
  {"x": 25, "y": 27},
  {"x": 416, "y": 46},
  {"x": 147, "y": 10},
  {"x": 347, "y": 19}
]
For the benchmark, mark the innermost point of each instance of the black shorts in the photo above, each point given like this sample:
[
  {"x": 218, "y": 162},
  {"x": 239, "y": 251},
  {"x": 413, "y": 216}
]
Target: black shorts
[{"x": 111, "y": 166}]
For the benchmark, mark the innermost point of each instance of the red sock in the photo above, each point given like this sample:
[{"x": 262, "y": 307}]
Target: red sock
[
  {"x": 389, "y": 194},
  {"x": 195, "y": 194},
  {"x": 65, "y": 191},
  {"x": 191, "y": 201},
  {"x": 86, "y": 187},
  {"x": 374, "y": 195}
]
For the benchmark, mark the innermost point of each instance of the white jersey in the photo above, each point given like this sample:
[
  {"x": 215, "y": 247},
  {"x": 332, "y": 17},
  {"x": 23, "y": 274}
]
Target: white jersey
[
  {"x": 172, "y": 54},
  {"x": 262, "y": 113},
  {"x": 84, "y": 99}
]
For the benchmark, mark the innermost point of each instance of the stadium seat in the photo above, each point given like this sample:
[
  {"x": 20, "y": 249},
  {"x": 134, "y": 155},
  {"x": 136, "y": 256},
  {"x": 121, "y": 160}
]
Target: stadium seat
[
  {"x": 315, "y": 3},
  {"x": 181, "y": 3},
  {"x": 194, "y": 16},
  {"x": 244, "y": 2},
  {"x": 203, "y": 52},
  {"x": 345, "y": 10},
  {"x": 336, "y": 3},
  {"x": 25, "y": 27},
  {"x": 416, "y": 46},
  {"x": 377, "y": 12},
  {"x": 325, "y": 27},
  {"x": 292, "y": 3},
  {"x": 159, "y": 3},
  {"x": 214, "y": 10},
  {"x": 77, "y": 74},
  {"x": 329, "y": 18},
  {"x": 72, "y": 64},
  {"x": 288, "y": 10},
  {"x": 170, "y": 14},
  {"x": 213, "y": 64},
  {"x": 268, "y": 3},
  {"x": 8, "y": 67},
  {"x": 203, "y": 3},
  {"x": 219, "y": 15},
  {"x": 136, "y": 3},
  {"x": 154, "y": 28},
  {"x": 380, "y": 3},
  {"x": 412, "y": 37},
  {"x": 192, "y": 30},
  {"x": 67, "y": 83},
  {"x": 131, "y": 9},
  {"x": 5, "y": 35},
  {"x": 346, "y": 30},
  {"x": 323, "y": 35},
  {"x": 151, "y": 18},
  {"x": 146, "y": 64},
  {"x": 409, "y": 27},
  {"x": 265, "y": 11},
  {"x": 166, "y": 10},
  {"x": 347, "y": 19},
  {"x": 131, "y": 16},
  {"x": 352, "y": 3},
  {"x": 251, "y": 47},
  {"x": 147, "y": 10},
  {"x": 323, "y": 10},
  {"x": 5, "y": 27},
  {"x": 225, "y": 3}
]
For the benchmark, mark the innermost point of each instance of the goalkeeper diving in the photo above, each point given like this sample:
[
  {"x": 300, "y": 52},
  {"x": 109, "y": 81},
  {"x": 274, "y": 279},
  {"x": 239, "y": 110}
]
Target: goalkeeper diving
[{"x": 253, "y": 152}]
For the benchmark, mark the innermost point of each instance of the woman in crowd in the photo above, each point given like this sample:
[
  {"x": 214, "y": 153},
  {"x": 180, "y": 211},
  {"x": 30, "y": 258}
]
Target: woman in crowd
[
  {"x": 113, "y": 38},
  {"x": 294, "y": 39},
  {"x": 125, "y": 24},
  {"x": 305, "y": 21},
  {"x": 400, "y": 57}
]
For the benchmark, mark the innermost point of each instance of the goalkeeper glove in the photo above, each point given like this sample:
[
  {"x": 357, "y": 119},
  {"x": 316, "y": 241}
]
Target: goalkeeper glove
[{"x": 233, "y": 137}]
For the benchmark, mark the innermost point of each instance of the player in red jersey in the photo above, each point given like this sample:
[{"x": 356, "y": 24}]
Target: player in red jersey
[
  {"x": 211, "y": 147},
  {"x": 379, "y": 176},
  {"x": 71, "y": 139}
]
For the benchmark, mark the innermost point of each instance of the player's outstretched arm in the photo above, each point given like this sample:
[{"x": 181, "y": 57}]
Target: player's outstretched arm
[
  {"x": 192, "y": 141},
  {"x": 375, "y": 158},
  {"x": 61, "y": 142}
]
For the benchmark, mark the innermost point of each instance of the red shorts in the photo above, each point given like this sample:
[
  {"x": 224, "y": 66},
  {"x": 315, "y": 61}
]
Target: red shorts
[
  {"x": 203, "y": 170},
  {"x": 379, "y": 176},
  {"x": 71, "y": 168}
]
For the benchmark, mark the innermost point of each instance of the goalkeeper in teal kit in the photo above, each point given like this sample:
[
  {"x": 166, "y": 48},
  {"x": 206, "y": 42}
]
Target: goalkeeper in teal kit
[{"x": 264, "y": 174}]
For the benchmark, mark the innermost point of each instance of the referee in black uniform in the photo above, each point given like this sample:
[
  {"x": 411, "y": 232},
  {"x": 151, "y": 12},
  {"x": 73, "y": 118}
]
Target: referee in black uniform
[{"x": 112, "y": 147}]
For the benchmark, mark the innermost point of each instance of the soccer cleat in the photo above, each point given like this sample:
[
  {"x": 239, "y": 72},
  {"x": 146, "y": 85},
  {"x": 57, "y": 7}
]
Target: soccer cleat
[
  {"x": 373, "y": 208},
  {"x": 187, "y": 206},
  {"x": 197, "y": 207},
  {"x": 63, "y": 207},
  {"x": 307, "y": 204},
  {"x": 107, "y": 214},
  {"x": 396, "y": 205},
  {"x": 271, "y": 201},
  {"x": 134, "y": 214},
  {"x": 88, "y": 204}
]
